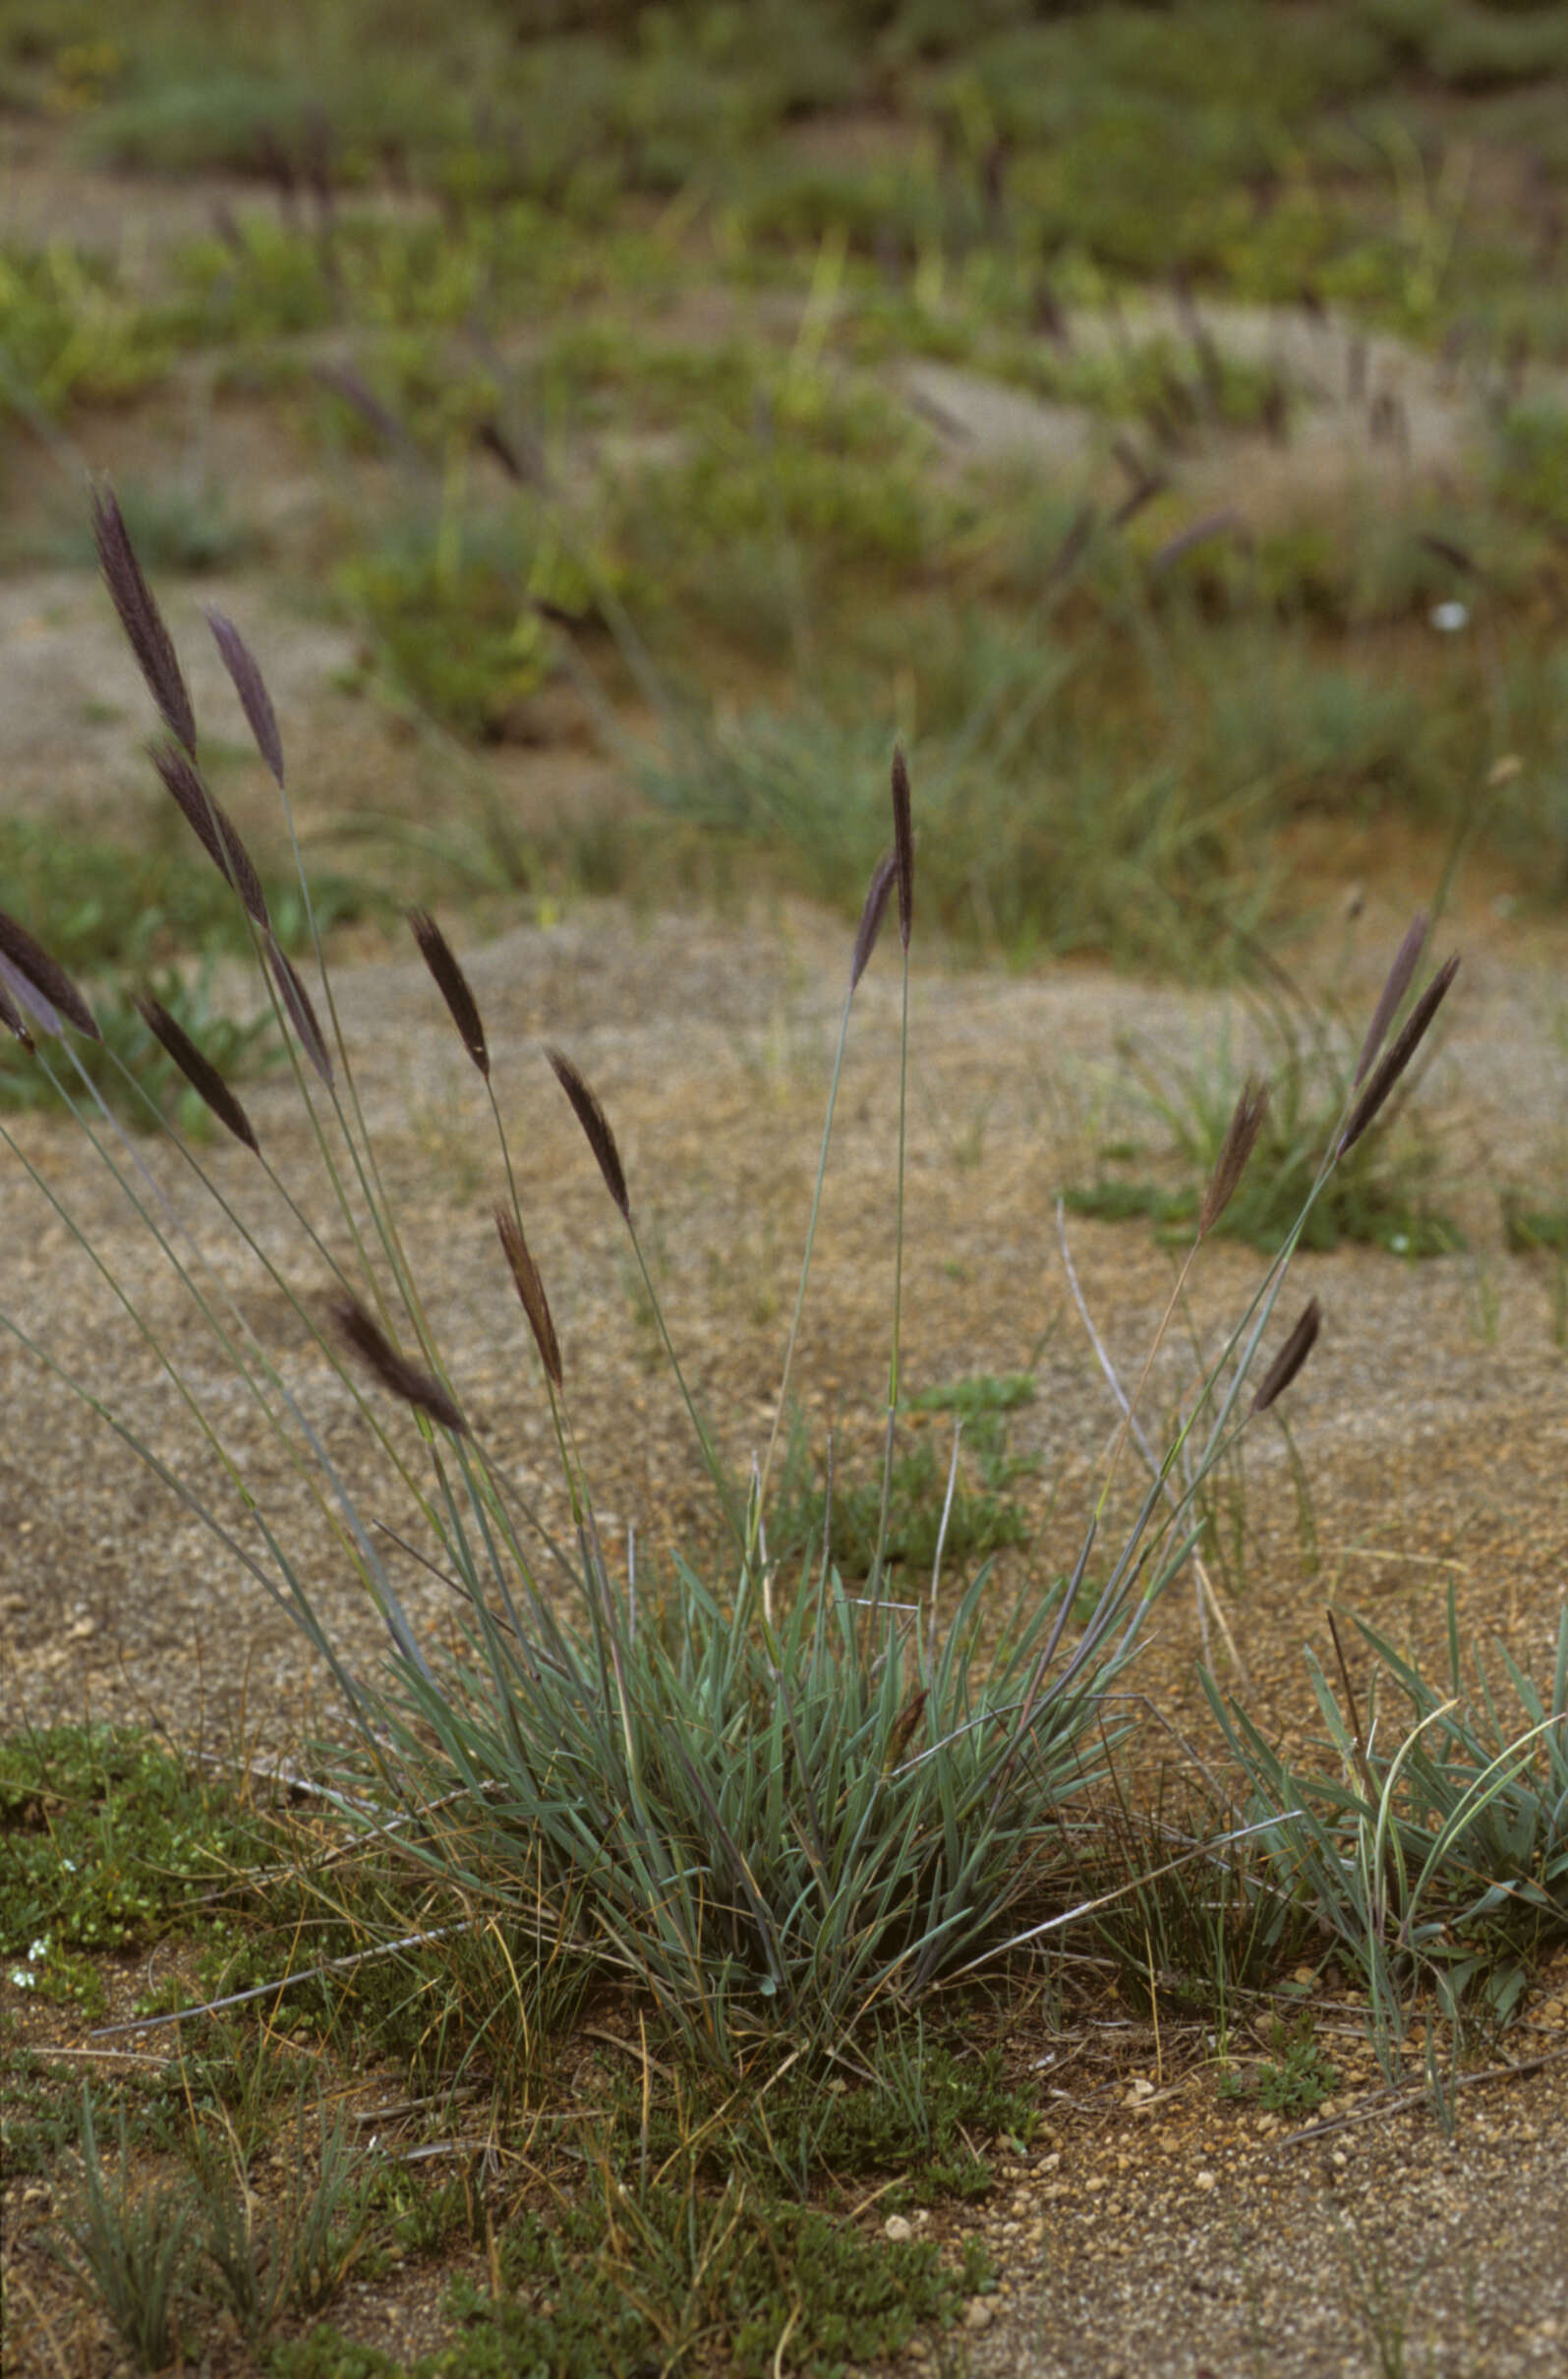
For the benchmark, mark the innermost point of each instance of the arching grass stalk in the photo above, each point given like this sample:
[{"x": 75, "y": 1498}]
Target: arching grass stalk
[
  {"x": 873, "y": 910},
  {"x": 606, "y": 1155},
  {"x": 903, "y": 861},
  {"x": 1375, "y": 1078}
]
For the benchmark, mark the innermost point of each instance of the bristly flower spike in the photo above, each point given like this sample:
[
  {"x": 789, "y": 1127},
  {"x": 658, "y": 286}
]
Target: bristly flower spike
[
  {"x": 596, "y": 1129},
  {"x": 903, "y": 843},
  {"x": 1398, "y": 1056},
  {"x": 1241, "y": 1139},
  {"x": 452, "y": 984},
  {"x": 872, "y": 914},
  {"x": 198, "y": 1071},
  {"x": 395, "y": 1372},
  {"x": 12, "y": 1018},
  {"x": 212, "y": 828},
  {"x": 150, "y": 640},
  {"x": 530, "y": 1292},
  {"x": 1291, "y": 1357},
  {"x": 1393, "y": 991},
  {"x": 249, "y": 685},
  {"x": 297, "y": 999},
  {"x": 29, "y": 969}
]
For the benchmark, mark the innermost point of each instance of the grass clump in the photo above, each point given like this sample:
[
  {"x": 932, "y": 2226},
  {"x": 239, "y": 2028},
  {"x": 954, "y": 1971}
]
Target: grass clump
[
  {"x": 132, "y": 2244},
  {"x": 452, "y": 625},
  {"x": 1296, "y": 2081},
  {"x": 670, "y": 2283},
  {"x": 772, "y": 1802},
  {"x": 71, "y": 334},
  {"x": 1435, "y": 1853},
  {"x": 981, "y": 1516},
  {"x": 1380, "y": 1195}
]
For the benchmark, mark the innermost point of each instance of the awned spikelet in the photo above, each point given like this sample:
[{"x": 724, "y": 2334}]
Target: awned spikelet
[
  {"x": 249, "y": 685},
  {"x": 903, "y": 843},
  {"x": 214, "y": 828},
  {"x": 1393, "y": 991},
  {"x": 1291, "y": 1357},
  {"x": 1404, "y": 1048},
  {"x": 452, "y": 984},
  {"x": 202, "y": 1074},
  {"x": 596, "y": 1129},
  {"x": 33, "y": 970},
  {"x": 395, "y": 1372},
  {"x": 297, "y": 999},
  {"x": 150, "y": 640},
  {"x": 1241, "y": 1139},
  {"x": 872, "y": 914},
  {"x": 530, "y": 1292}
]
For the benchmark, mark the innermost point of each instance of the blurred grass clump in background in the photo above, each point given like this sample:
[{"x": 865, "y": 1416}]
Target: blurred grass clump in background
[{"x": 608, "y": 346}]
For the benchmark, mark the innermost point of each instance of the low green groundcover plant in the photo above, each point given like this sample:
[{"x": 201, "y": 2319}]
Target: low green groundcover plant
[{"x": 104, "y": 1838}]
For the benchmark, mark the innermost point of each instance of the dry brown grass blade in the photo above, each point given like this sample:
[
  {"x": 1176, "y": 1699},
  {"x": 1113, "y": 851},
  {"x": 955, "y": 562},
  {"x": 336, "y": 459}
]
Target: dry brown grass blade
[
  {"x": 249, "y": 685},
  {"x": 395, "y": 1372},
  {"x": 46, "y": 976},
  {"x": 150, "y": 640},
  {"x": 872, "y": 914},
  {"x": 1291, "y": 1357},
  {"x": 596, "y": 1129},
  {"x": 214, "y": 828},
  {"x": 452, "y": 984},
  {"x": 198, "y": 1071},
  {"x": 531, "y": 1290}
]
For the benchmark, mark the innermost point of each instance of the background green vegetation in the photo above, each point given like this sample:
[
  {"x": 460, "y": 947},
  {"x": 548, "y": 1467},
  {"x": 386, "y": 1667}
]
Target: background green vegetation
[{"x": 594, "y": 322}]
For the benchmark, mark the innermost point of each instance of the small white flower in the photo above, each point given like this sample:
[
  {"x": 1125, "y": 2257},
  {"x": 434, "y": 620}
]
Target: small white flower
[
  {"x": 1449, "y": 617},
  {"x": 39, "y": 1948},
  {"x": 23, "y": 1980}
]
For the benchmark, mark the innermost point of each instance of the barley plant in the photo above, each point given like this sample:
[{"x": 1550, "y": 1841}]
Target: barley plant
[{"x": 775, "y": 1803}]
